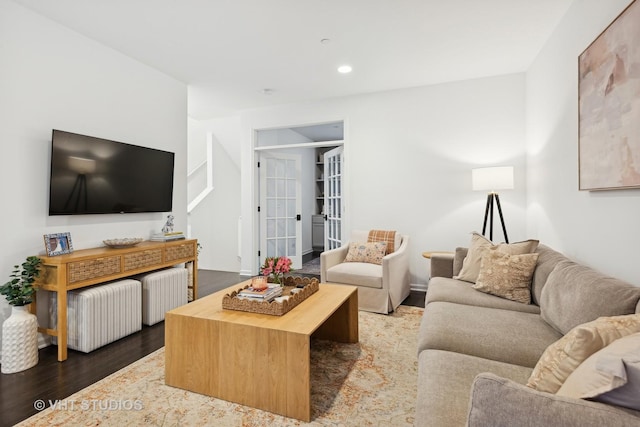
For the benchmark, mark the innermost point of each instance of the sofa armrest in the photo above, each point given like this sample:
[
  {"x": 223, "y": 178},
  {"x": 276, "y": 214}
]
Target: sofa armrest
[
  {"x": 330, "y": 258},
  {"x": 497, "y": 401},
  {"x": 442, "y": 265}
]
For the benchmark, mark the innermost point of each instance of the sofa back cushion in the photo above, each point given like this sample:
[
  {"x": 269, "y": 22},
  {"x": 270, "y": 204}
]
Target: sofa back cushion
[
  {"x": 458, "y": 258},
  {"x": 547, "y": 260},
  {"x": 576, "y": 294}
]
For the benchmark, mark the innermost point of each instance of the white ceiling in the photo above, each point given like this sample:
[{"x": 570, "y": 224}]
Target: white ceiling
[{"x": 228, "y": 51}]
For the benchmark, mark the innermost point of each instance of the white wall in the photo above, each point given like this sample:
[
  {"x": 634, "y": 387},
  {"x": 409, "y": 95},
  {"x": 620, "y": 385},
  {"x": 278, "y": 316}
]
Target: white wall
[
  {"x": 408, "y": 156},
  {"x": 600, "y": 229},
  {"x": 214, "y": 222},
  {"x": 51, "y": 78}
]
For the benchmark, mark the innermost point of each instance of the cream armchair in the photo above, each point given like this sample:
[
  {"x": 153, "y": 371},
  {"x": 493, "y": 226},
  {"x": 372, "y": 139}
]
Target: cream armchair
[{"x": 381, "y": 288}]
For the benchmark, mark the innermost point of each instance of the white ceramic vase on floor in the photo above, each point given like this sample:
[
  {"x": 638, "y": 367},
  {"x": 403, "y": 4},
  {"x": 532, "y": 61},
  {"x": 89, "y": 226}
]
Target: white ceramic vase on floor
[{"x": 19, "y": 341}]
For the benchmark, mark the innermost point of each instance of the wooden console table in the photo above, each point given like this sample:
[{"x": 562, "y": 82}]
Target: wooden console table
[{"x": 89, "y": 267}]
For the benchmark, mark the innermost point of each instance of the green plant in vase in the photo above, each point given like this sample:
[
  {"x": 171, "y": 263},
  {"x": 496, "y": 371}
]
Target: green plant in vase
[
  {"x": 20, "y": 330},
  {"x": 19, "y": 290}
]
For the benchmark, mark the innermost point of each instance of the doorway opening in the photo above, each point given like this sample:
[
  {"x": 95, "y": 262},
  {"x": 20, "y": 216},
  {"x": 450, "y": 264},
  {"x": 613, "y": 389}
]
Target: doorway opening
[{"x": 301, "y": 205}]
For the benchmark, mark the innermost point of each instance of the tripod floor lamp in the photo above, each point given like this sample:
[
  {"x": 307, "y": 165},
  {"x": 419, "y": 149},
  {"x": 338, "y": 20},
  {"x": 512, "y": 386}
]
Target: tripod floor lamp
[{"x": 493, "y": 179}]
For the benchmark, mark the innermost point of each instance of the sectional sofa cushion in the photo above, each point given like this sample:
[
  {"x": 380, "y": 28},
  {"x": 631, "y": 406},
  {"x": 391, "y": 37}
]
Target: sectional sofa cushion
[
  {"x": 611, "y": 375},
  {"x": 478, "y": 247},
  {"x": 459, "y": 292},
  {"x": 357, "y": 274},
  {"x": 506, "y": 276},
  {"x": 502, "y": 335},
  {"x": 502, "y": 402},
  {"x": 547, "y": 260},
  {"x": 575, "y": 294},
  {"x": 444, "y": 385},
  {"x": 562, "y": 357},
  {"x": 458, "y": 260}
]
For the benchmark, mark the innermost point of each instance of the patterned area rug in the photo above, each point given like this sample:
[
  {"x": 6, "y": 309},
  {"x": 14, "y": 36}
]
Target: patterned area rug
[{"x": 371, "y": 383}]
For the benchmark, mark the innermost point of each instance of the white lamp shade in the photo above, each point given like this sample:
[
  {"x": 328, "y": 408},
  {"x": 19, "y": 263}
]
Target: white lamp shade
[{"x": 493, "y": 178}]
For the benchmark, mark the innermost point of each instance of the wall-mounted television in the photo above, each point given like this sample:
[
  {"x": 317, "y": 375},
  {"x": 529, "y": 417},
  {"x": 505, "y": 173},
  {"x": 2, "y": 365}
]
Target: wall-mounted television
[{"x": 97, "y": 176}]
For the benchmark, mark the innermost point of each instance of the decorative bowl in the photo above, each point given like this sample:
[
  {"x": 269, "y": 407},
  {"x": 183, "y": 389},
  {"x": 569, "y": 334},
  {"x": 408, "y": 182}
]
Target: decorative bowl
[{"x": 126, "y": 242}]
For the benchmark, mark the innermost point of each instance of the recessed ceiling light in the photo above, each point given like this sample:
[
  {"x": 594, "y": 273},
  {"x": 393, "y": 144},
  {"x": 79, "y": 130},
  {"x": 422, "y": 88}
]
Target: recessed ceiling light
[
  {"x": 267, "y": 91},
  {"x": 345, "y": 69},
  {"x": 325, "y": 41}
]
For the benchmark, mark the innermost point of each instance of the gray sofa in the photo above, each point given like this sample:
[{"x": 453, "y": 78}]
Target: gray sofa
[{"x": 476, "y": 351}]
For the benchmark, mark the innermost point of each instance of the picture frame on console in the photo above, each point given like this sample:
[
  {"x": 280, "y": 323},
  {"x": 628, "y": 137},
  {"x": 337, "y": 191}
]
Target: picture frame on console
[
  {"x": 609, "y": 106},
  {"x": 58, "y": 244}
]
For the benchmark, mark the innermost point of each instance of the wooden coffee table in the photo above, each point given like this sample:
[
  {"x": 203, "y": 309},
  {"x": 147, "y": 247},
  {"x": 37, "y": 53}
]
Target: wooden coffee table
[{"x": 254, "y": 359}]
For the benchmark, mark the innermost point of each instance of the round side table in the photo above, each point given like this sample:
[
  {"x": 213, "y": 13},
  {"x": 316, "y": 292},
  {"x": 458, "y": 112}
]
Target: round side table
[{"x": 428, "y": 255}]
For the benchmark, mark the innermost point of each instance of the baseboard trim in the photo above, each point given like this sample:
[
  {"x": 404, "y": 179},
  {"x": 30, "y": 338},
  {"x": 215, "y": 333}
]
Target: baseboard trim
[{"x": 420, "y": 287}]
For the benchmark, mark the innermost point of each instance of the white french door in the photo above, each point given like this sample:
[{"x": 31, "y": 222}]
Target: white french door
[
  {"x": 280, "y": 207},
  {"x": 333, "y": 203}
]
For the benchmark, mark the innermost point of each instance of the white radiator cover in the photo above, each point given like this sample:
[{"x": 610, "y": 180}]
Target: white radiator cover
[
  {"x": 162, "y": 291},
  {"x": 101, "y": 314}
]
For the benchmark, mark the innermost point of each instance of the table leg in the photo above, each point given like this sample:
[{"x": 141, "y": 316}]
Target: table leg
[
  {"x": 342, "y": 325},
  {"x": 62, "y": 325}
]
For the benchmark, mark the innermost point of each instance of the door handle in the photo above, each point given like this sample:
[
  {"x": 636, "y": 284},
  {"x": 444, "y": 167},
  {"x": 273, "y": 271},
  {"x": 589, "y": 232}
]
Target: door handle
[{"x": 298, "y": 217}]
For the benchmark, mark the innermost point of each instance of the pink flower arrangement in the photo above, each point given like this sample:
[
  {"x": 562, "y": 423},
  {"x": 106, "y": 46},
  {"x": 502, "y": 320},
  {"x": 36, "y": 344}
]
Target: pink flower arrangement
[{"x": 276, "y": 267}]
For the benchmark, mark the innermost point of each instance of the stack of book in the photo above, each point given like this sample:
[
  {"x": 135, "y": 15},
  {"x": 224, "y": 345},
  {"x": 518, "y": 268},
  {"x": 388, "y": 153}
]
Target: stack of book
[
  {"x": 166, "y": 237},
  {"x": 266, "y": 294}
]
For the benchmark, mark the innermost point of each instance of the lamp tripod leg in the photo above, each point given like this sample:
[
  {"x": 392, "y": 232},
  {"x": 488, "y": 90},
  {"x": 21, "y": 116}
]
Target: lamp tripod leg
[
  {"x": 491, "y": 196},
  {"x": 504, "y": 229},
  {"x": 486, "y": 214}
]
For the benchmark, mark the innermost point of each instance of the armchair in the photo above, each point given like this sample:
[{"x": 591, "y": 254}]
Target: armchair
[{"x": 381, "y": 288}]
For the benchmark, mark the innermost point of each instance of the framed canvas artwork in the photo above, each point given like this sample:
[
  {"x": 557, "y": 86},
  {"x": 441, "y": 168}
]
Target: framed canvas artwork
[{"x": 609, "y": 106}]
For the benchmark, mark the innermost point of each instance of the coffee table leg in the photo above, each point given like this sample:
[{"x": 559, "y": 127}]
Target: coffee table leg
[{"x": 342, "y": 325}]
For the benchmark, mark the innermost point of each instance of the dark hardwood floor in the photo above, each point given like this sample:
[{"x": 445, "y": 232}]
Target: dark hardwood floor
[{"x": 51, "y": 380}]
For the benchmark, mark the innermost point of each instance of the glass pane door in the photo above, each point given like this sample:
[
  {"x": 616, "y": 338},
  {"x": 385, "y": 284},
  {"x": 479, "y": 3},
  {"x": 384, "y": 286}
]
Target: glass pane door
[
  {"x": 333, "y": 198},
  {"x": 280, "y": 204}
]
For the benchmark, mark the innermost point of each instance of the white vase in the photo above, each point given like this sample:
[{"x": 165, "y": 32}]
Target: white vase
[{"x": 19, "y": 341}]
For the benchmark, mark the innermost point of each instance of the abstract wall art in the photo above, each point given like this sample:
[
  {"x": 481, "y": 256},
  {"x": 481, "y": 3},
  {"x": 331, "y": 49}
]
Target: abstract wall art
[{"x": 609, "y": 106}]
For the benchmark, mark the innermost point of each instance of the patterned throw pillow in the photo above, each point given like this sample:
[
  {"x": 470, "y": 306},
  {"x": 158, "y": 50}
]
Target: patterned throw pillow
[
  {"x": 612, "y": 375},
  {"x": 371, "y": 253},
  {"x": 480, "y": 245},
  {"x": 383, "y": 236},
  {"x": 506, "y": 276},
  {"x": 561, "y": 358}
]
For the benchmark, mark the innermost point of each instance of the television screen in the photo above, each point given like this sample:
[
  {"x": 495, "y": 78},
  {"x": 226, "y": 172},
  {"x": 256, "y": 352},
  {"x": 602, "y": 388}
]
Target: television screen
[{"x": 97, "y": 176}]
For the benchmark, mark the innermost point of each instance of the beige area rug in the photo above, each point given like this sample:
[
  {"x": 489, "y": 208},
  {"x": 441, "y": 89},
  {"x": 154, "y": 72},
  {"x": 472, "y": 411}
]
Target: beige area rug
[{"x": 372, "y": 383}]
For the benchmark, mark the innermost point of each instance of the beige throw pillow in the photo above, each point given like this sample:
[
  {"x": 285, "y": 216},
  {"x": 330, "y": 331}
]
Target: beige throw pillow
[
  {"x": 506, "y": 276},
  {"x": 612, "y": 375},
  {"x": 371, "y": 253},
  {"x": 561, "y": 358},
  {"x": 478, "y": 247}
]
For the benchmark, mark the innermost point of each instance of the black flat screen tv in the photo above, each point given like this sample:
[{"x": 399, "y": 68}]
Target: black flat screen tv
[{"x": 97, "y": 176}]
